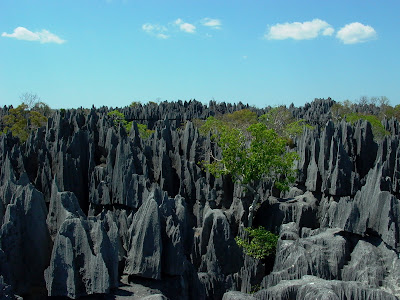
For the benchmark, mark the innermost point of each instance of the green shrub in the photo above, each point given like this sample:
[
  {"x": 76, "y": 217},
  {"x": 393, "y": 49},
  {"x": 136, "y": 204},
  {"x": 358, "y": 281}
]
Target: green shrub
[
  {"x": 134, "y": 104},
  {"x": 296, "y": 128},
  {"x": 339, "y": 110},
  {"x": 378, "y": 130},
  {"x": 144, "y": 132},
  {"x": 119, "y": 118},
  {"x": 261, "y": 244}
]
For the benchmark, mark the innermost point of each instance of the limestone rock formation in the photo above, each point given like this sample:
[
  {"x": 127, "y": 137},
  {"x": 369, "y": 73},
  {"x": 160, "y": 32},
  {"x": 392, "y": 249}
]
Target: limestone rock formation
[
  {"x": 145, "y": 243},
  {"x": 311, "y": 287},
  {"x": 84, "y": 204},
  {"x": 83, "y": 260}
]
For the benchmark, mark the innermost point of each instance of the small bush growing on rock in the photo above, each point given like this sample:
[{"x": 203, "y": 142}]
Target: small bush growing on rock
[
  {"x": 119, "y": 117},
  {"x": 377, "y": 128},
  {"x": 261, "y": 244},
  {"x": 144, "y": 132},
  {"x": 135, "y": 104}
]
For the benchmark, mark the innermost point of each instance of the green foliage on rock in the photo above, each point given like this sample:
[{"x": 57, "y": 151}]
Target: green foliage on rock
[
  {"x": 20, "y": 121},
  {"x": 261, "y": 243},
  {"x": 252, "y": 155},
  {"x": 240, "y": 119},
  {"x": 282, "y": 121},
  {"x": 134, "y": 104},
  {"x": 277, "y": 118},
  {"x": 339, "y": 110},
  {"x": 377, "y": 128},
  {"x": 296, "y": 128},
  {"x": 392, "y": 112},
  {"x": 119, "y": 118},
  {"x": 42, "y": 108},
  {"x": 144, "y": 132}
]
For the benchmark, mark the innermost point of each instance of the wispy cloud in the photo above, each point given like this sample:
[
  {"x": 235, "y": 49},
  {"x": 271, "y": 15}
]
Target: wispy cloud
[
  {"x": 186, "y": 27},
  {"x": 299, "y": 31},
  {"x": 179, "y": 25},
  {"x": 156, "y": 30},
  {"x": 213, "y": 23},
  {"x": 44, "y": 36},
  {"x": 356, "y": 32}
]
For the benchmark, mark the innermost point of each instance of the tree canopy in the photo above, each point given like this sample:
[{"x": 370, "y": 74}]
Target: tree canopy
[
  {"x": 21, "y": 120},
  {"x": 250, "y": 156},
  {"x": 282, "y": 121}
]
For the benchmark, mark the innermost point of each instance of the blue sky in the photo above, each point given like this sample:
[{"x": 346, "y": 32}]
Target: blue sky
[{"x": 112, "y": 52}]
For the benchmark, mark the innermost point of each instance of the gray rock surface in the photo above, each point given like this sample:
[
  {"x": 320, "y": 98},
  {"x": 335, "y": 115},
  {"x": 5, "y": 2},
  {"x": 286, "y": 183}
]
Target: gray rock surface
[
  {"x": 366, "y": 265},
  {"x": 83, "y": 260},
  {"x": 274, "y": 211},
  {"x": 321, "y": 253},
  {"x": 371, "y": 211},
  {"x": 175, "y": 235},
  {"x": 24, "y": 237},
  {"x": 6, "y": 291},
  {"x": 118, "y": 202},
  {"x": 311, "y": 287},
  {"x": 145, "y": 243},
  {"x": 237, "y": 296},
  {"x": 63, "y": 205},
  {"x": 216, "y": 241}
]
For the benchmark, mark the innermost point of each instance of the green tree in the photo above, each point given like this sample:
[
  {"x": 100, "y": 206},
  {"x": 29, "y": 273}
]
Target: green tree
[
  {"x": 240, "y": 119},
  {"x": 20, "y": 121},
  {"x": 282, "y": 121},
  {"x": 277, "y": 118},
  {"x": 261, "y": 243},
  {"x": 250, "y": 156},
  {"x": 339, "y": 110},
  {"x": 119, "y": 118},
  {"x": 392, "y": 112}
]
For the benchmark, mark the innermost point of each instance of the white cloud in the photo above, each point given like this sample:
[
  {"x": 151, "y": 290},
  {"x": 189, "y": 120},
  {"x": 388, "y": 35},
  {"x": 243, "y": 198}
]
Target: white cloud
[
  {"x": 148, "y": 27},
  {"x": 156, "y": 30},
  {"x": 328, "y": 31},
  {"x": 162, "y": 36},
  {"x": 299, "y": 31},
  {"x": 186, "y": 27},
  {"x": 356, "y": 33},
  {"x": 213, "y": 23},
  {"x": 44, "y": 36}
]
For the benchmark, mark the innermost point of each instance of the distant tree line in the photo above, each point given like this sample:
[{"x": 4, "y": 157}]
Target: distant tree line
[{"x": 31, "y": 114}]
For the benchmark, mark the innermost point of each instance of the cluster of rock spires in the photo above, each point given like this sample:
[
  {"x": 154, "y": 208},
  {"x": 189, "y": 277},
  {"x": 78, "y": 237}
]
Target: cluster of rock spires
[{"x": 87, "y": 209}]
